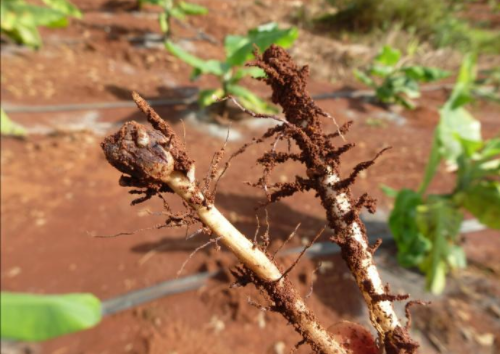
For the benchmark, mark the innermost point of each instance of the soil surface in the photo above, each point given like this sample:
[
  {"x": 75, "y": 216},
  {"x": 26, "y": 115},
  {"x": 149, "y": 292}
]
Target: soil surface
[{"x": 58, "y": 191}]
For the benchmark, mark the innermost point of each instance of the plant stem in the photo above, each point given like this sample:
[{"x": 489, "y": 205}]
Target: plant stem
[{"x": 153, "y": 157}]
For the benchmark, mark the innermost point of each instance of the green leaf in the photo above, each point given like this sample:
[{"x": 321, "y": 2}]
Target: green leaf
[
  {"x": 425, "y": 74},
  {"x": 178, "y": 13},
  {"x": 208, "y": 97},
  {"x": 491, "y": 148},
  {"x": 214, "y": 67},
  {"x": 388, "y": 191},
  {"x": 250, "y": 101},
  {"x": 439, "y": 221},
  {"x": 29, "y": 317},
  {"x": 483, "y": 201},
  {"x": 432, "y": 164},
  {"x": 192, "y": 9},
  {"x": 20, "y": 21},
  {"x": 404, "y": 85},
  {"x": 436, "y": 277},
  {"x": 411, "y": 243},
  {"x": 365, "y": 79},
  {"x": 470, "y": 147},
  {"x": 461, "y": 93},
  {"x": 455, "y": 123},
  {"x": 388, "y": 56},
  {"x": 27, "y": 35},
  {"x": 8, "y": 127},
  {"x": 381, "y": 70},
  {"x": 250, "y": 71},
  {"x": 65, "y": 7},
  {"x": 456, "y": 257},
  {"x": 31, "y": 15},
  {"x": 239, "y": 49},
  {"x": 163, "y": 20}
]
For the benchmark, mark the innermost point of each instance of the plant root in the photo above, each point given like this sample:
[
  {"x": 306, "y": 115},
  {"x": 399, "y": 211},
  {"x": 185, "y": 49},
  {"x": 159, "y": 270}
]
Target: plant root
[{"x": 322, "y": 160}]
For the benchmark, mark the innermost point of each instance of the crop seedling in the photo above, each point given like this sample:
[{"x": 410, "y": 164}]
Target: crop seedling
[
  {"x": 173, "y": 9},
  {"x": 394, "y": 84},
  {"x": 426, "y": 227},
  {"x": 238, "y": 50},
  {"x": 155, "y": 162},
  {"x": 21, "y": 19}
]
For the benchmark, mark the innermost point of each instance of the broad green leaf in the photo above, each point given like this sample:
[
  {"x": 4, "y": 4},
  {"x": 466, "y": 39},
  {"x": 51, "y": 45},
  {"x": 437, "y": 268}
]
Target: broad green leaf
[
  {"x": 239, "y": 49},
  {"x": 483, "y": 201},
  {"x": 249, "y": 100},
  {"x": 208, "y": 97},
  {"x": 64, "y": 6},
  {"x": 412, "y": 245},
  {"x": 28, "y": 317},
  {"x": 425, "y": 74},
  {"x": 192, "y": 9},
  {"x": 8, "y": 127},
  {"x": 365, "y": 79},
  {"x": 388, "y": 56},
  {"x": 455, "y": 123},
  {"x": 214, "y": 67}
]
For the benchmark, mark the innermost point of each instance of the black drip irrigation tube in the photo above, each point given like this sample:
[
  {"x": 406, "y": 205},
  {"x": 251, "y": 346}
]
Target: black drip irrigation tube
[
  {"x": 192, "y": 282},
  {"x": 179, "y": 101}
]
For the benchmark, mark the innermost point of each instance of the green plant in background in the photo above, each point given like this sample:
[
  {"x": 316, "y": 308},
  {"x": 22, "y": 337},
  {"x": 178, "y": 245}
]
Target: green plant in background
[
  {"x": 438, "y": 22},
  {"x": 368, "y": 15},
  {"x": 394, "y": 84},
  {"x": 459, "y": 34},
  {"x": 20, "y": 20},
  {"x": 9, "y": 128},
  {"x": 173, "y": 9},
  {"x": 426, "y": 227},
  {"x": 238, "y": 50},
  {"x": 29, "y": 317},
  {"x": 488, "y": 86}
]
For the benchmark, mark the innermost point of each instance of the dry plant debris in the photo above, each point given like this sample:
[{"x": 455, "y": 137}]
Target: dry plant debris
[{"x": 156, "y": 162}]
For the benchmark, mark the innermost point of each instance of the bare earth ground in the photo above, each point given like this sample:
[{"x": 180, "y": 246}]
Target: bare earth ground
[{"x": 57, "y": 191}]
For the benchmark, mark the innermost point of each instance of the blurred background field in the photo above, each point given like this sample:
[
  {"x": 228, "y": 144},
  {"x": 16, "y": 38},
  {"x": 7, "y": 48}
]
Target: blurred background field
[{"x": 58, "y": 190}]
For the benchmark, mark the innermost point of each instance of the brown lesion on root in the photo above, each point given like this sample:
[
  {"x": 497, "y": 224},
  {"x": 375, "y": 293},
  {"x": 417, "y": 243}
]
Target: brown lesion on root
[{"x": 322, "y": 158}]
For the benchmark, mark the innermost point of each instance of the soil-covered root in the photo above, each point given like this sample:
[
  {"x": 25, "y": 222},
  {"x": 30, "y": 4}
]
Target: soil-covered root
[
  {"x": 157, "y": 162},
  {"x": 322, "y": 159}
]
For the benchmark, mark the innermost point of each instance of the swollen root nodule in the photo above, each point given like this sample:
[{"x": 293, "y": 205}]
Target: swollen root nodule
[{"x": 155, "y": 162}]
